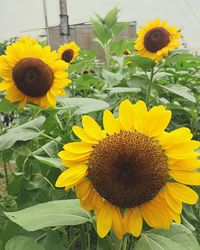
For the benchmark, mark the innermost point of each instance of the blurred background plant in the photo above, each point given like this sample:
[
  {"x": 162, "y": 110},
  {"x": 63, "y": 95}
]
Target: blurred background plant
[{"x": 31, "y": 138}]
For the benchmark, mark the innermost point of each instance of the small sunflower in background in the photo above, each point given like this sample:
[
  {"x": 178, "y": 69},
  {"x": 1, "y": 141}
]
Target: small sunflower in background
[
  {"x": 156, "y": 39},
  {"x": 68, "y": 52},
  {"x": 32, "y": 74},
  {"x": 132, "y": 169},
  {"x": 126, "y": 52}
]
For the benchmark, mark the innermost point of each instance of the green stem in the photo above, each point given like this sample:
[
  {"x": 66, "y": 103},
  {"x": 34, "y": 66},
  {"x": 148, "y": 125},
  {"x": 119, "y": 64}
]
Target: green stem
[
  {"x": 149, "y": 86},
  {"x": 51, "y": 138},
  {"x": 107, "y": 55},
  {"x": 73, "y": 89},
  {"x": 118, "y": 244},
  {"x": 59, "y": 122},
  {"x": 6, "y": 175},
  {"x": 124, "y": 244}
]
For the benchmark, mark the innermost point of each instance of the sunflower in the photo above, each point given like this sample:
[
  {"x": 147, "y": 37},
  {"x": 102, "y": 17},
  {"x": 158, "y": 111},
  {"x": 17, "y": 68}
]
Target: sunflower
[
  {"x": 156, "y": 39},
  {"x": 32, "y": 74},
  {"x": 132, "y": 169},
  {"x": 27, "y": 39},
  {"x": 68, "y": 52}
]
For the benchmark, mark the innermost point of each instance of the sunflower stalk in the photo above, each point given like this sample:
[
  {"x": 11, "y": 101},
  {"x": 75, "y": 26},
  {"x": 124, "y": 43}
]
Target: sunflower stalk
[
  {"x": 6, "y": 174},
  {"x": 150, "y": 80},
  {"x": 107, "y": 55},
  {"x": 118, "y": 244}
]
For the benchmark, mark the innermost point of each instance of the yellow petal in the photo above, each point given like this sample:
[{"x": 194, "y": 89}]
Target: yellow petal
[
  {"x": 92, "y": 128},
  {"x": 160, "y": 205},
  {"x": 81, "y": 134},
  {"x": 78, "y": 147},
  {"x": 174, "y": 203},
  {"x": 5, "y": 85},
  {"x": 175, "y": 216},
  {"x": 135, "y": 222},
  {"x": 65, "y": 155},
  {"x": 104, "y": 219},
  {"x": 182, "y": 193},
  {"x": 189, "y": 178},
  {"x": 74, "y": 163},
  {"x": 182, "y": 150},
  {"x": 157, "y": 120},
  {"x": 90, "y": 200},
  {"x": 184, "y": 165},
  {"x": 150, "y": 215},
  {"x": 117, "y": 224},
  {"x": 22, "y": 103},
  {"x": 14, "y": 95},
  {"x": 110, "y": 124},
  {"x": 153, "y": 213},
  {"x": 71, "y": 176},
  {"x": 126, "y": 115},
  {"x": 83, "y": 188},
  {"x": 140, "y": 115},
  {"x": 51, "y": 99},
  {"x": 179, "y": 135},
  {"x": 126, "y": 220}
]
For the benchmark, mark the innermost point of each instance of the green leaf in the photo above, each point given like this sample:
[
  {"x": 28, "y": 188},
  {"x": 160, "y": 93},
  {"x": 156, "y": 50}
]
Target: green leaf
[
  {"x": 49, "y": 148},
  {"x": 181, "y": 57},
  {"x": 54, "y": 213},
  {"x": 23, "y": 132},
  {"x": 119, "y": 27},
  {"x": 83, "y": 105},
  {"x": 112, "y": 78},
  {"x": 178, "y": 237},
  {"x": 156, "y": 242},
  {"x": 111, "y": 17},
  {"x": 23, "y": 243},
  {"x": 142, "y": 62},
  {"x": 6, "y": 106},
  {"x": 101, "y": 32},
  {"x": 53, "y": 162},
  {"x": 180, "y": 90},
  {"x": 120, "y": 46},
  {"x": 52, "y": 241},
  {"x": 117, "y": 90}
]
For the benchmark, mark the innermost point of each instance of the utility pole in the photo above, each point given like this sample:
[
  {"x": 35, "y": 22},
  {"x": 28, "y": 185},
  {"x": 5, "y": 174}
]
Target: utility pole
[
  {"x": 64, "y": 24},
  {"x": 46, "y": 20}
]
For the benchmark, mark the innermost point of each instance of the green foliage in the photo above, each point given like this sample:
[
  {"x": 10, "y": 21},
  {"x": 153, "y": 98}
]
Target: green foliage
[
  {"x": 54, "y": 213},
  {"x": 24, "y": 132},
  {"x": 34, "y": 214},
  {"x": 23, "y": 243}
]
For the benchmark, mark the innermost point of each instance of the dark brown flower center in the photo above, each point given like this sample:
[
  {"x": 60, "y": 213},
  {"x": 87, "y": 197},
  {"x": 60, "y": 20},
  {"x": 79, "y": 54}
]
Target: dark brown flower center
[
  {"x": 156, "y": 39},
  {"x": 126, "y": 52},
  {"x": 128, "y": 169},
  {"x": 33, "y": 77},
  {"x": 67, "y": 55}
]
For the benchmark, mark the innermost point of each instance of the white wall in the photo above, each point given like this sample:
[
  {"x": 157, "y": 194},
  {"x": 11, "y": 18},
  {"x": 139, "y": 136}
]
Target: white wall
[{"x": 17, "y": 16}]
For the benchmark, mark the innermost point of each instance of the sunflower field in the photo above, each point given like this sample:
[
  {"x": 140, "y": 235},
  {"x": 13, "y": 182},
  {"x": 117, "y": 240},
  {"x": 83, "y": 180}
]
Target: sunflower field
[{"x": 100, "y": 153}]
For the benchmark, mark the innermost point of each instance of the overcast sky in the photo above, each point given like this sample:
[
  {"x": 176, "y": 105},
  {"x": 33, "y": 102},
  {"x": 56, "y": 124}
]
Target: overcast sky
[{"x": 19, "y": 17}]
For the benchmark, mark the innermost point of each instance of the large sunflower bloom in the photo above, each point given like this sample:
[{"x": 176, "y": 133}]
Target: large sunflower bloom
[
  {"x": 32, "y": 74},
  {"x": 68, "y": 52},
  {"x": 132, "y": 170},
  {"x": 156, "y": 39}
]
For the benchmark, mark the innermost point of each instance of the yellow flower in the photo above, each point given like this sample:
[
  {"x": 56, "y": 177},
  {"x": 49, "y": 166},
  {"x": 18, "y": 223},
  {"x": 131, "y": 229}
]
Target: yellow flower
[
  {"x": 32, "y": 74},
  {"x": 156, "y": 39},
  {"x": 27, "y": 39},
  {"x": 132, "y": 165},
  {"x": 68, "y": 52}
]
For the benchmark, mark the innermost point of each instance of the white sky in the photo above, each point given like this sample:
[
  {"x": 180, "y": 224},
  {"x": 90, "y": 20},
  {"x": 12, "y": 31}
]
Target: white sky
[{"x": 18, "y": 16}]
